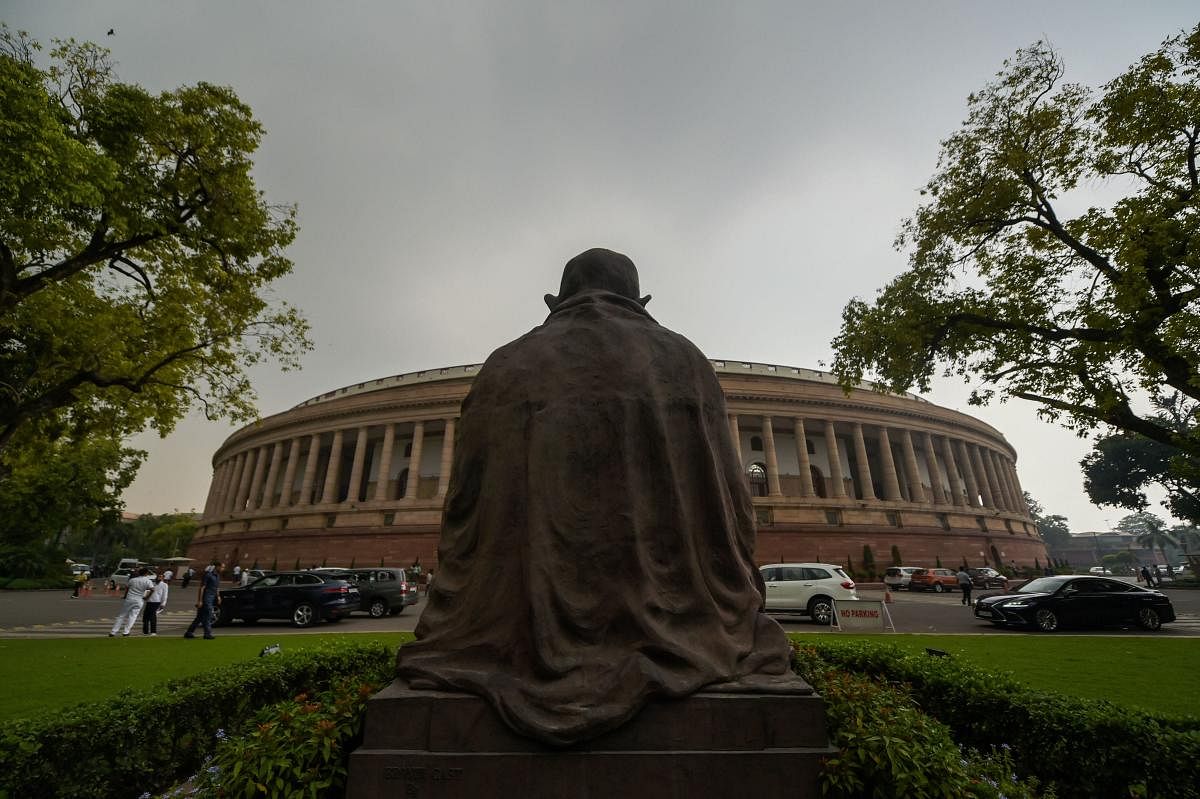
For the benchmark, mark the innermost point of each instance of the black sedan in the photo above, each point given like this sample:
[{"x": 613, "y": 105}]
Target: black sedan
[
  {"x": 1049, "y": 603},
  {"x": 303, "y": 597}
]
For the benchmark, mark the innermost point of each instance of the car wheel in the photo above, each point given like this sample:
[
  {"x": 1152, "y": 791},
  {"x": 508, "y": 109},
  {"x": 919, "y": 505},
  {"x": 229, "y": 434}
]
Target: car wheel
[
  {"x": 1047, "y": 620},
  {"x": 1148, "y": 619},
  {"x": 378, "y": 609},
  {"x": 304, "y": 615},
  {"x": 938, "y": 588},
  {"x": 820, "y": 608},
  {"x": 221, "y": 616}
]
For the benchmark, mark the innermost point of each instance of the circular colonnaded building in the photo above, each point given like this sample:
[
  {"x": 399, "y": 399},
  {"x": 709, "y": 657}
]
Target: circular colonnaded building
[{"x": 359, "y": 475}]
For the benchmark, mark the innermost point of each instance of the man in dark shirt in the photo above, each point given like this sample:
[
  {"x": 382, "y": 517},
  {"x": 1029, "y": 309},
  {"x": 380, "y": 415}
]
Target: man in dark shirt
[{"x": 207, "y": 600}]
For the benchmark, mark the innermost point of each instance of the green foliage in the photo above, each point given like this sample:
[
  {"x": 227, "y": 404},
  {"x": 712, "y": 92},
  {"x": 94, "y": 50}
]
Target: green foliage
[
  {"x": 1083, "y": 316},
  {"x": 887, "y": 747},
  {"x": 146, "y": 740},
  {"x": 1121, "y": 467},
  {"x": 136, "y": 257},
  {"x": 868, "y": 559},
  {"x": 938, "y": 561},
  {"x": 294, "y": 749},
  {"x": 1084, "y": 749},
  {"x": 1053, "y": 528},
  {"x": 896, "y": 560}
]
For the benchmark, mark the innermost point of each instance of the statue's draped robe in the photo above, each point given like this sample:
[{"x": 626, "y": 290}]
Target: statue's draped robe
[{"x": 598, "y": 536}]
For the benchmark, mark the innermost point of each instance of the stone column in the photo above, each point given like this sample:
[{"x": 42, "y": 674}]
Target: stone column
[
  {"x": 447, "y": 459},
  {"x": 414, "y": 463},
  {"x": 212, "y": 491},
  {"x": 382, "y": 492},
  {"x": 239, "y": 501},
  {"x": 229, "y": 492},
  {"x": 310, "y": 470},
  {"x": 891, "y": 481},
  {"x": 329, "y": 495},
  {"x": 1022, "y": 505},
  {"x": 1002, "y": 480},
  {"x": 864, "y": 467},
  {"x": 772, "y": 461},
  {"x": 806, "y": 483},
  {"x": 915, "y": 490},
  {"x": 289, "y": 474},
  {"x": 736, "y": 432},
  {"x": 935, "y": 473},
  {"x": 989, "y": 468},
  {"x": 958, "y": 491},
  {"x": 981, "y": 476},
  {"x": 356, "y": 469},
  {"x": 973, "y": 492},
  {"x": 260, "y": 466},
  {"x": 835, "y": 461},
  {"x": 1010, "y": 476},
  {"x": 268, "y": 494}
]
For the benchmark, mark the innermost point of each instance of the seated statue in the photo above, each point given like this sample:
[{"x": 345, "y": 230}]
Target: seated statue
[{"x": 597, "y": 548}]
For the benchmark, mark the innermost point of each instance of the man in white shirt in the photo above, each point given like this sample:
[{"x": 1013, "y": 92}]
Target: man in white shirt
[
  {"x": 155, "y": 605},
  {"x": 135, "y": 596}
]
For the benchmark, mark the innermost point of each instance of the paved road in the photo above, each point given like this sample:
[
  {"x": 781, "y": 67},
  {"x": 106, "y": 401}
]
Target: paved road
[{"x": 53, "y": 614}]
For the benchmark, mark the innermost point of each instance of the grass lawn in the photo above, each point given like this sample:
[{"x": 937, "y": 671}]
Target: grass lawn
[
  {"x": 47, "y": 674},
  {"x": 1157, "y": 675},
  {"x": 1154, "y": 674}
]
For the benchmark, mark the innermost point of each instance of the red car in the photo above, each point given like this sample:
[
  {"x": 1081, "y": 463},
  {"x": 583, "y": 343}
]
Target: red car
[{"x": 938, "y": 580}]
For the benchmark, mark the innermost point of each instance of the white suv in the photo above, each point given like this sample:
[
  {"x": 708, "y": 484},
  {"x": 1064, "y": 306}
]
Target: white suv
[
  {"x": 897, "y": 577},
  {"x": 806, "y": 588}
]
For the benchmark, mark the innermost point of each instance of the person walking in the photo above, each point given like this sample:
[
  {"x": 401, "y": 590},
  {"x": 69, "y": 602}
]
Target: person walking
[
  {"x": 155, "y": 605},
  {"x": 188, "y": 575},
  {"x": 1147, "y": 578},
  {"x": 207, "y": 601},
  {"x": 964, "y": 585},
  {"x": 135, "y": 597}
]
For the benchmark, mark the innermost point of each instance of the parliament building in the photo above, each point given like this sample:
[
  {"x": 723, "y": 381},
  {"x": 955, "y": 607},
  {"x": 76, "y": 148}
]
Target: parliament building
[{"x": 358, "y": 476}]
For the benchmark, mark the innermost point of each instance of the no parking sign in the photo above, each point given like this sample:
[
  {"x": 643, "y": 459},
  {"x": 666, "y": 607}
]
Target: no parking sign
[{"x": 862, "y": 616}]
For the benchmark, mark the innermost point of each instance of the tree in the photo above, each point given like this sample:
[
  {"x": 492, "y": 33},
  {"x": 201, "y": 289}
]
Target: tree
[
  {"x": 1053, "y": 528},
  {"x": 136, "y": 254},
  {"x": 1083, "y": 316},
  {"x": 1122, "y": 466},
  {"x": 1151, "y": 532}
]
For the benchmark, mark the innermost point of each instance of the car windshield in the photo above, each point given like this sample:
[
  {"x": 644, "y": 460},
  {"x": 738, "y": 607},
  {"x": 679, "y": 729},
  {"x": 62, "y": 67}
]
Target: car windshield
[{"x": 1043, "y": 585}]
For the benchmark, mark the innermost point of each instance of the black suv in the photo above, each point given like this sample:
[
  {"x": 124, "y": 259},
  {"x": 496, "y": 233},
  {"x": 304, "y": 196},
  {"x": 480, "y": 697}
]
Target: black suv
[
  {"x": 383, "y": 590},
  {"x": 303, "y": 597}
]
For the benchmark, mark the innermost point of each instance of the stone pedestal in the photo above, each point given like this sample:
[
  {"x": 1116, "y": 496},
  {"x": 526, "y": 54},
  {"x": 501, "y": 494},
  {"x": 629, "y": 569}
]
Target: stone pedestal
[{"x": 434, "y": 744}]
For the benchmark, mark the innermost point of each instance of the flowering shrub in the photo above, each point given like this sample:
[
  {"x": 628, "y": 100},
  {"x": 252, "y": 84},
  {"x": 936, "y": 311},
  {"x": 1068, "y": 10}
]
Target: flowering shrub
[
  {"x": 295, "y": 749},
  {"x": 887, "y": 747}
]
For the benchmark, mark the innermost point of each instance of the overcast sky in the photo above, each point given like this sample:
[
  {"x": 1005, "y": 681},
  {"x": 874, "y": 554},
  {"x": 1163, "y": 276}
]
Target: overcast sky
[{"x": 754, "y": 159}]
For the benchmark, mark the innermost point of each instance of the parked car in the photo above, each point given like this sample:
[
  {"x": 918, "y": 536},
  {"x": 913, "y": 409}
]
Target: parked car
[
  {"x": 383, "y": 590},
  {"x": 897, "y": 577},
  {"x": 986, "y": 577},
  {"x": 1049, "y": 603},
  {"x": 938, "y": 580},
  {"x": 1099, "y": 570},
  {"x": 304, "y": 597},
  {"x": 119, "y": 578},
  {"x": 809, "y": 589}
]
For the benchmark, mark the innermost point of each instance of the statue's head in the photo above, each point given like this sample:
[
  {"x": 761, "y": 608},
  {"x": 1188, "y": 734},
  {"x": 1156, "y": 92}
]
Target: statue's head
[{"x": 598, "y": 268}]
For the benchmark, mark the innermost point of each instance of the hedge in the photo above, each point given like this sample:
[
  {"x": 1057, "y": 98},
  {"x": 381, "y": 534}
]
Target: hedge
[
  {"x": 1082, "y": 748},
  {"x": 148, "y": 740}
]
